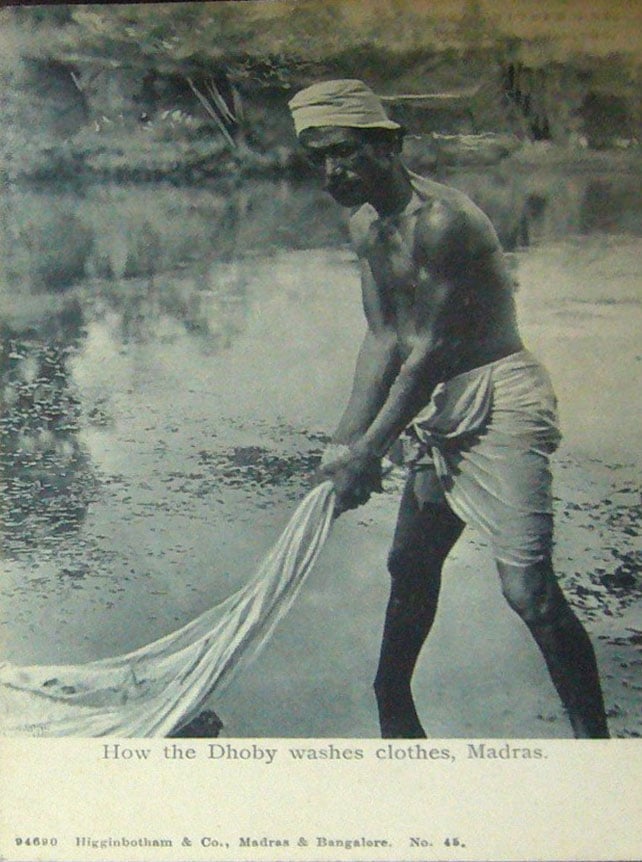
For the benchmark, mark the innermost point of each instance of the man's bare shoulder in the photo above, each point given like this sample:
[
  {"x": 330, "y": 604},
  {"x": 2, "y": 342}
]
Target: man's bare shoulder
[{"x": 449, "y": 221}]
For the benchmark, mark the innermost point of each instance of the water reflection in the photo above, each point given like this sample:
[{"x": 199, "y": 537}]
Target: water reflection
[
  {"x": 153, "y": 251},
  {"x": 612, "y": 204},
  {"x": 46, "y": 478},
  {"x": 156, "y": 265},
  {"x": 211, "y": 306},
  {"x": 533, "y": 206}
]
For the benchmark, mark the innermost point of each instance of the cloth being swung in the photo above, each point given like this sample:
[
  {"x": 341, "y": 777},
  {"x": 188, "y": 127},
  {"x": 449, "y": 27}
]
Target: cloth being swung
[
  {"x": 482, "y": 443},
  {"x": 162, "y": 686}
]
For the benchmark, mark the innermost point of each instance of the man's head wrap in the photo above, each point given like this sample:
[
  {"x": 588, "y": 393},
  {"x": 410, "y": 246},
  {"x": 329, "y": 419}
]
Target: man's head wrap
[{"x": 346, "y": 102}]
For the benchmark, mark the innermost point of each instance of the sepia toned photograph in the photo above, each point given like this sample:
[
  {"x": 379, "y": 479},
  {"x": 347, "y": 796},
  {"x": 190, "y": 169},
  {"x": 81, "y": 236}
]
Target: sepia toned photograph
[{"x": 320, "y": 384}]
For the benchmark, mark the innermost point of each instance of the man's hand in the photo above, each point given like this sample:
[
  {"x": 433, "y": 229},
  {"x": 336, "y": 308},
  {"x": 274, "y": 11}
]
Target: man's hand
[{"x": 354, "y": 474}]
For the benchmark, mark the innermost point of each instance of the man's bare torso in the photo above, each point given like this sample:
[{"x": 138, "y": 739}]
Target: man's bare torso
[{"x": 438, "y": 267}]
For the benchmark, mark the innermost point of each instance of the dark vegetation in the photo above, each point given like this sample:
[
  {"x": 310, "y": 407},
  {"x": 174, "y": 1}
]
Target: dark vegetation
[{"x": 189, "y": 90}]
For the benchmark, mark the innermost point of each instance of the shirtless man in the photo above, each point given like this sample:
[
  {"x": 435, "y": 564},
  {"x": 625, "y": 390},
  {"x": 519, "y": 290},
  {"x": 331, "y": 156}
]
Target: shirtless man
[{"x": 443, "y": 367}]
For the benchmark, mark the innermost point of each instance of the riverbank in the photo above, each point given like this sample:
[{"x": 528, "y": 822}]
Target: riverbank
[{"x": 153, "y": 153}]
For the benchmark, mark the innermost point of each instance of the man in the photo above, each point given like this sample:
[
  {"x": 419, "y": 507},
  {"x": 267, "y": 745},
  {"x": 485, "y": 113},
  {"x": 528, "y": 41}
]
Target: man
[{"x": 442, "y": 364}]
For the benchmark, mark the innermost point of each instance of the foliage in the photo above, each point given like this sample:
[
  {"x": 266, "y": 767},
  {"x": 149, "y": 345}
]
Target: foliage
[
  {"x": 271, "y": 43},
  {"x": 199, "y": 87}
]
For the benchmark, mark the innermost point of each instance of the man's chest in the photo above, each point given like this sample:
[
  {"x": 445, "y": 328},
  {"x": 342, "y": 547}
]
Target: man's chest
[
  {"x": 401, "y": 278},
  {"x": 391, "y": 253}
]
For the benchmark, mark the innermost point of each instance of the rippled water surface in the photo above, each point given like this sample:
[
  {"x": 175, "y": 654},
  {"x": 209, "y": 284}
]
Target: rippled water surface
[{"x": 173, "y": 361}]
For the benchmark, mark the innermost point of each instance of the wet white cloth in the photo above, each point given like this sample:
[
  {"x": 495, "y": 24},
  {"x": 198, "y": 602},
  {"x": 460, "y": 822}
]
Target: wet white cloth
[
  {"x": 483, "y": 443},
  {"x": 162, "y": 686}
]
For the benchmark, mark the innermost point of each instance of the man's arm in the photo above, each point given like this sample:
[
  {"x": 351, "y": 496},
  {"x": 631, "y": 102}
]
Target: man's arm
[
  {"x": 355, "y": 474},
  {"x": 377, "y": 366},
  {"x": 447, "y": 244},
  {"x": 411, "y": 391},
  {"x": 429, "y": 361}
]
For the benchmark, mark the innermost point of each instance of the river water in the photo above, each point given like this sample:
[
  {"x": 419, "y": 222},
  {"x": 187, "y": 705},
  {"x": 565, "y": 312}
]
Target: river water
[{"x": 173, "y": 361}]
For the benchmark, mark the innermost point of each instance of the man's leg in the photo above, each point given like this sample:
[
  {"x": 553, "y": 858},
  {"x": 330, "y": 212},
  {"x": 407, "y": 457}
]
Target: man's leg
[
  {"x": 533, "y": 592},
  {"x": 423, "y": 538}
]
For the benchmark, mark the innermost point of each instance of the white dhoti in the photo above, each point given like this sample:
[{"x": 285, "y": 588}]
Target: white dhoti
[{"x": 483, "y": 445}]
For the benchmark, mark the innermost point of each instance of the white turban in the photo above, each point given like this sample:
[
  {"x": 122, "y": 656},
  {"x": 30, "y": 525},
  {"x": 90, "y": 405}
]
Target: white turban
[{"x": 346, "y": 102}]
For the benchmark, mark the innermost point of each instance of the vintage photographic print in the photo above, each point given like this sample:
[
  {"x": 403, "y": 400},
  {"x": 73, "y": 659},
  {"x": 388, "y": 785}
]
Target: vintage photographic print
[{"x": 320, "y": 384}]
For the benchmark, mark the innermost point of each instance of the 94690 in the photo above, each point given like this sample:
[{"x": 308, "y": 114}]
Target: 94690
[{"x": 35, "y": 841}]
